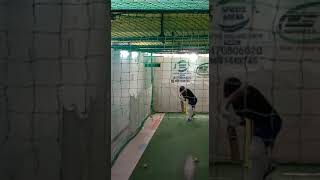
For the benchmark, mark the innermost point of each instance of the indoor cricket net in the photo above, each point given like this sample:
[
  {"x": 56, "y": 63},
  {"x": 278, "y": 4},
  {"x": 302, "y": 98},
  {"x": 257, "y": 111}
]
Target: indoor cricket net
[{"x": 153, "y": 54}]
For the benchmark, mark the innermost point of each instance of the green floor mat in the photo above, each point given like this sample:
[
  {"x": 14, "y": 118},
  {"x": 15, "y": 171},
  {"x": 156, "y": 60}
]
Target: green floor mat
[{"x": 173, "y": 141}]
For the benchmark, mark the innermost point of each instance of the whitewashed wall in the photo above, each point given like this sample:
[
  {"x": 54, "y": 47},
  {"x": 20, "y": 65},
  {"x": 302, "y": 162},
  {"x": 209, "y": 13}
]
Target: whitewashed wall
[
  {"x": 166, "y": 92},
  {"x": 130, "y": 96}
]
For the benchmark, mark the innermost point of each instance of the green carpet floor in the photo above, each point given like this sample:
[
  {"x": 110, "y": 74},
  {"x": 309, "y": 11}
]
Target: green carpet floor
[{"x": 173, "y": 141}]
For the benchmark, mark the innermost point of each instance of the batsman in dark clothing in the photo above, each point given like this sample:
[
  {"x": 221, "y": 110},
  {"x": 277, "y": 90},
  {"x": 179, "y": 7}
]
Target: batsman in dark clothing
[
  {"x": 192, "y": 100},
  {"x": 248, "y": 103}
]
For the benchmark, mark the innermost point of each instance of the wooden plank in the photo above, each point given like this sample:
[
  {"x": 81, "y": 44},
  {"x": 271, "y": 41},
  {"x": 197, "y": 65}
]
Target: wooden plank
[
  {"x": 248, "y": 135},
  {"x": 234, "y": 144}
]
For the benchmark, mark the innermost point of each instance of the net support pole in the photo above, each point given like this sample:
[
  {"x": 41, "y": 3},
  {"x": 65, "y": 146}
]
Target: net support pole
[{"x": 152, "y": 85}]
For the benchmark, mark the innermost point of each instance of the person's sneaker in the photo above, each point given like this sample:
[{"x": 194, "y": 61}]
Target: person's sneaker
[
  {"x": 271, "y": 168},
  {"x": 189, "y": 120}
]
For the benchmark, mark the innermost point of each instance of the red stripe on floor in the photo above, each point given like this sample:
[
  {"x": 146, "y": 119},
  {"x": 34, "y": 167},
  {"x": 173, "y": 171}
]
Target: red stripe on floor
[{"x": 156, "y": 123}]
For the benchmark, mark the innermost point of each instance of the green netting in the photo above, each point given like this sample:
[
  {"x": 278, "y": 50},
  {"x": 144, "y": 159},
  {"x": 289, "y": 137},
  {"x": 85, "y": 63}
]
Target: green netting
[
  {"x": 143, "y": 83},
  {"x": 285, "y": 70},
  {"x": 162, "y": 5},
  {"x": 152, "y": 32},
  {"x": 163, "y": 40},
  {"x": 131, "y": 96}
]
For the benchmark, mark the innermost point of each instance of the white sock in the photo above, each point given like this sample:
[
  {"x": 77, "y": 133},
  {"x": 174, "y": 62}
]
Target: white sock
[{"x": 259, "y": 159}]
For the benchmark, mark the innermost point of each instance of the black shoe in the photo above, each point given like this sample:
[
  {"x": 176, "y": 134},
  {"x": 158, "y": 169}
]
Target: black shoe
[{"x": 269, "y": 171}]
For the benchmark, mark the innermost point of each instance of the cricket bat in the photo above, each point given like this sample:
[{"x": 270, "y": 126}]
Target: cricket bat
[
  {"x": 234, "y": 144},
  {"x": 248, "y": 135},
  {"x": 184, "y": 106}
]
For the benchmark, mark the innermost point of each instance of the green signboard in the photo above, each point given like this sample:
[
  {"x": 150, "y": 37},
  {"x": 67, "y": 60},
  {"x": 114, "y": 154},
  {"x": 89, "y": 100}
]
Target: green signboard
[{"x": 152, "y": 65}]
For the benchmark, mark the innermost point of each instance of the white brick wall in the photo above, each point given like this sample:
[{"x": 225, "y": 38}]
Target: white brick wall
[
  {"x": 131, "y": 97},
  {"x": 46, "y": 72},
  {"x": 311, "y": 74},
  {"x": 74, "y": 45},
  {"x": 45, "y": 14},
  {"x": 166, "y": 93},
  {"x": 286, "y": 74}
]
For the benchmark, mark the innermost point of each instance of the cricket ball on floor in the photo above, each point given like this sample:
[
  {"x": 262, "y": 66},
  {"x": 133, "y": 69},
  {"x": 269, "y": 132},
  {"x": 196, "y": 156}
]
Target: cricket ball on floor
[
  {"x": 195, "y": 159},
  {"x": 145, "y": 165}
]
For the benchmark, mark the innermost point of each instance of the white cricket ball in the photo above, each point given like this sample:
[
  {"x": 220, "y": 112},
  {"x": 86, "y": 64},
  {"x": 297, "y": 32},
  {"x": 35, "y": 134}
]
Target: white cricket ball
[{"x": 145, "y": 165}]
